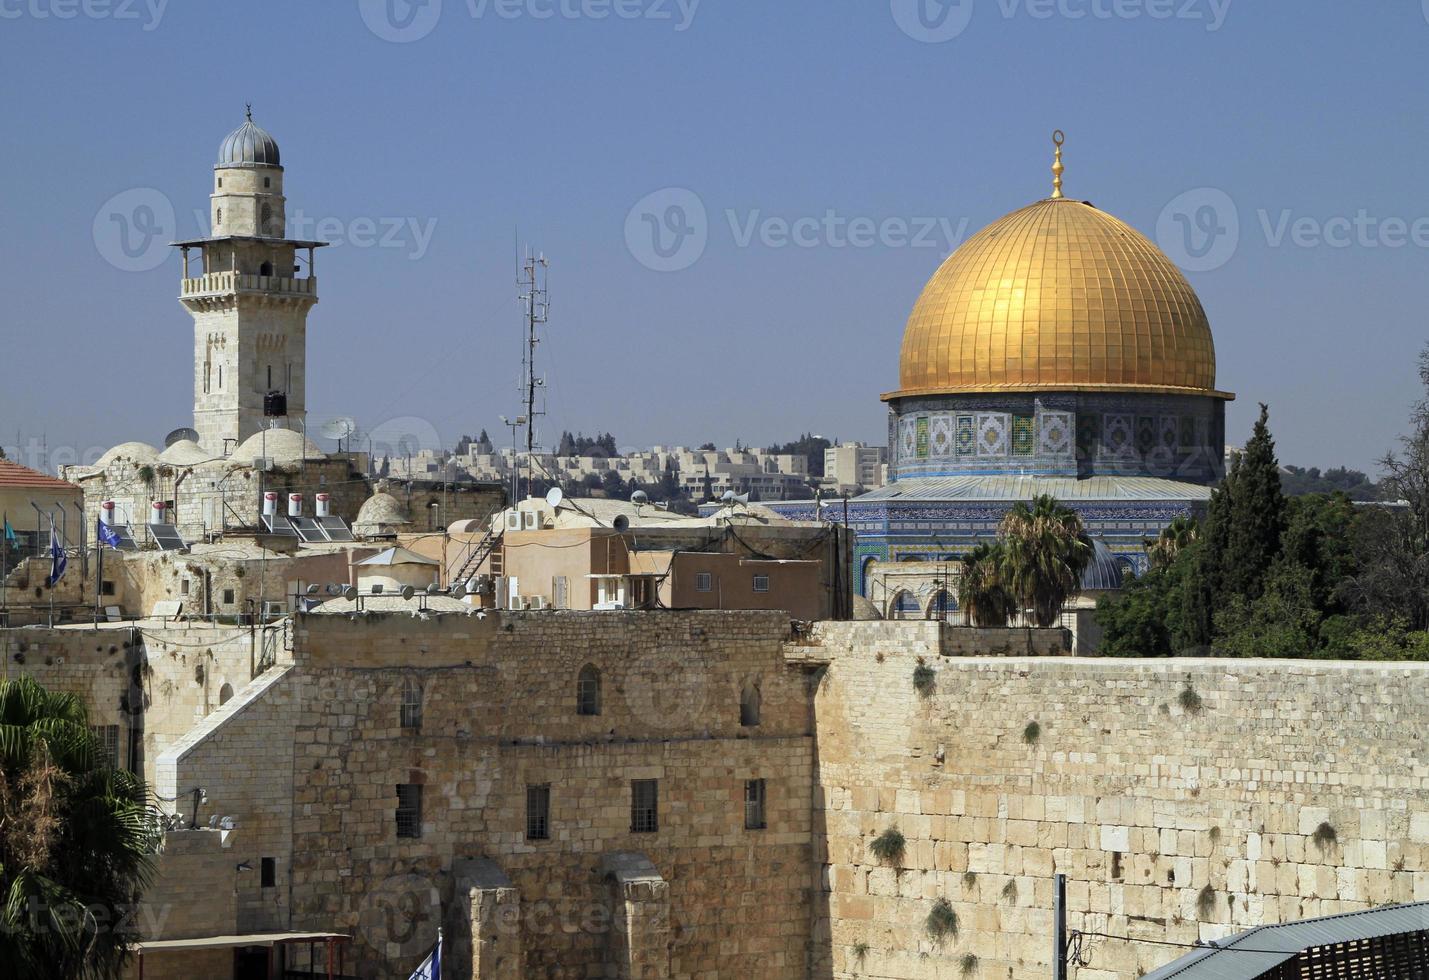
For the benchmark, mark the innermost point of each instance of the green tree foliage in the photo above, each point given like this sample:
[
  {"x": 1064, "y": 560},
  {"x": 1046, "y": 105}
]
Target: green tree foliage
[
  {"x": 1257, "y": 515},
  {"x": 1045, "y": 549},
  {"x": 810, "y": 446},
  {"x": 1174, "y": 538},
  {"x": 1145, "y": 618},
  {"x": 76, "y": 841},
  {"x": 981, "y": 596},
  {"x": 1297, "y": 481}
]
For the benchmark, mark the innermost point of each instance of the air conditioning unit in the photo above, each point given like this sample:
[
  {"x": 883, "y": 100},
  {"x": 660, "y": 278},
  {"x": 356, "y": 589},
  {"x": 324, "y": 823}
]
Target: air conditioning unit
[
  {"x": 520, "y": 602},
  {"x": 481, "y": 585},
  {"x": 537, "y": 602},
  {"x": 513, "y": 520},
  {"x": 531, "y": 520}
]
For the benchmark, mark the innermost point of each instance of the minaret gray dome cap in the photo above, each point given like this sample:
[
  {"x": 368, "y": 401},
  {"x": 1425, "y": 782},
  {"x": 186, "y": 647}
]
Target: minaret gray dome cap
[{"x": 248, "y": 146}]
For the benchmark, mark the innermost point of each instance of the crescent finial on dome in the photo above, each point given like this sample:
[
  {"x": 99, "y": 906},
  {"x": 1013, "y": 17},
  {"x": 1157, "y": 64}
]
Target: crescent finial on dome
[{"x": 1058, "y": 138}]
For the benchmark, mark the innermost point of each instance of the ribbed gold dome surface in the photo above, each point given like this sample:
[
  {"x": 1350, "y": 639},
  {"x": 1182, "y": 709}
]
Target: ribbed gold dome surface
[{"x": 1057, "y": 296}]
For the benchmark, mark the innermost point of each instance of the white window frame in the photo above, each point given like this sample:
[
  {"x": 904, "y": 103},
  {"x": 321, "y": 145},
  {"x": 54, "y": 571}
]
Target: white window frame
[{"x": 757, "y": 580}]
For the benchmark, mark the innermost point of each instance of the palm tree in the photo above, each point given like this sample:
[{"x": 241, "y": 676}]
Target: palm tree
[
  {"x": 1045, "y": 549},
  {"x": 76, "y": 841},
  {"x": 1173, "y": 539},
  {"x": 980, "y": 593}
]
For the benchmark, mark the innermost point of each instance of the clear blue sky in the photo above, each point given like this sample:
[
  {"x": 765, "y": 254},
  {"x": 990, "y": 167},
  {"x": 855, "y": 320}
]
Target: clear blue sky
[{"x": 558, "y": 126}]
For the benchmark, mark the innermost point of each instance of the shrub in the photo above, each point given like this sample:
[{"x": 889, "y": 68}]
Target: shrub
[
  {"x": 923, "y": 679},
  {"x": 1206, "y": 902},
  {"x": 1190, "y": 701},
  {"x": 1009, "y": 890},
  {"x": 969, "y": 880},
  {"x": 968, "y": 964},
  {"x": 888, "y": 846},
  {"x": 942, "y": 920},
  {"x": 1325, "y": 836},
  {"x": 1032, "y": 733},
  {"x": 860, "y": 951}
]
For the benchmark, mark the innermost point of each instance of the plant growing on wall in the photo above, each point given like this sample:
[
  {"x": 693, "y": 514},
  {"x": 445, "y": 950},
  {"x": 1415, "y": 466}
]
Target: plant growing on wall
[
  {"x": 1325, "y": 836},
  {"x": 1190, "y": 701},
  {"x": 1009, "y": 890},
  {"x": 888, "y": 846},
  {"x": 968, "y": 964},
  {"x": 969, "y": 880},
  {"x": 942, "y": 921},
  {"x": 924, "y": 679},
  {"x": 1032, "y": 732},
  {"x": 860, "y": 951}
]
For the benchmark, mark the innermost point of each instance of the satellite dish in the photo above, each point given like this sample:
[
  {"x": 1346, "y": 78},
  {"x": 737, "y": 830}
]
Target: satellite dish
[
  {"x": 639, "y": 497},
  {"x": 334, "y": 589},
  {"x": 408, "y": 592},
  {"x": 338, "y": 428},
  {"x": 184, "y": 434},
  {"x": 621, "y": 522},
  {"x": 457, "y": 591},
  {"x": 312, "y": 590},
  {"x": 349, "y": 592},
  {"x": 554, "y": 496}
]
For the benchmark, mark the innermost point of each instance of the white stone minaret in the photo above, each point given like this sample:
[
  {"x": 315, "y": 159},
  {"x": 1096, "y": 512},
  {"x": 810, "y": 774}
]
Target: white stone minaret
[{"x": 248, "y": 300}]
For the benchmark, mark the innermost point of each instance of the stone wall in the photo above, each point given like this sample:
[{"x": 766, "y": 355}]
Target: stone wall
[
  {"x": 1184, "y": 799},
  {"x": 499, "y": 714}
]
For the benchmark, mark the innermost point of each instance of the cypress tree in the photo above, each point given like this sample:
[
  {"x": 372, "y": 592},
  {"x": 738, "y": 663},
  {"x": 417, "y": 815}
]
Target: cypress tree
[{"x": 1257, "y": 516}]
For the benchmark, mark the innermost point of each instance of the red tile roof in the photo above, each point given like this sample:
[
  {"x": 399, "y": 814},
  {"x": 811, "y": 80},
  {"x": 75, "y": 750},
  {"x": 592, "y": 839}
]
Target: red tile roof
[{"x": 15, "y": 475}]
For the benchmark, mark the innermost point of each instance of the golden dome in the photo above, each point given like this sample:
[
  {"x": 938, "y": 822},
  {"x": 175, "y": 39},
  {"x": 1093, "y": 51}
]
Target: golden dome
[{"x": 1057, "y": 296}]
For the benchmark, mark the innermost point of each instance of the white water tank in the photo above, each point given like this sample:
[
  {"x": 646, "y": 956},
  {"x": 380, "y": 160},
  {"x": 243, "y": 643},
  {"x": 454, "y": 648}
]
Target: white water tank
[
  {"x": 270, "y": 503},
  {"x": 295, "y": 505},
  {"x": 324, "y": 501},
  {"x": 157, "y": 511},
  {"x": 106, "y": 513}
]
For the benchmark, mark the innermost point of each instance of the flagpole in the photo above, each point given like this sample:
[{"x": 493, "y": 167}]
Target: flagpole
[
  {"x": 55, "y": 583},
  {"x": 98, "y": 574},
  {"x": 4, "y": 568}
]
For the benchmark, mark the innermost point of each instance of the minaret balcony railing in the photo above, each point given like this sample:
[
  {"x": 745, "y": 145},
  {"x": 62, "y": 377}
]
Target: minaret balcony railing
[{"x": 237, "y": 282}]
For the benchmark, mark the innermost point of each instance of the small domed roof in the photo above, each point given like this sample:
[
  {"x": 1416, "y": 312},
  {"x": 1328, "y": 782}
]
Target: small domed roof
[
  {"x": 1103, "y": 572},
  {"x": 248, "y": 146},
  {"x": 279, "y": 445},
  {"x": 139, "y": 452},
  {"x": 379, "y": 511},
  {"x": 185, "y": 452}
]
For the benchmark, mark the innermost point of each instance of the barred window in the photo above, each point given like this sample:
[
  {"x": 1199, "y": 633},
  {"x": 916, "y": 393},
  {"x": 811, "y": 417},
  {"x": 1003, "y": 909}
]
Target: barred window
[
  {"x": 538, "y": 812},
  {"x": 108, "y": 736},
  {"x": 754, "y": 805},
  {"x": 588, "y": 691},
  {"x": 411, "y": 712},
  {"x": 644, "y": 806},
  {"x": 409, "y": 810},
  {"x": 761, "y": 583},
  {"x": 703, "y": 582}
]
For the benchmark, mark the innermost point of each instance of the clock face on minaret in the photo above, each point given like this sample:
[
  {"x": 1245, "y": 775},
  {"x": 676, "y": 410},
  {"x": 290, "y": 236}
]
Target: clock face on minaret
[{"x": 249, "y": 289}]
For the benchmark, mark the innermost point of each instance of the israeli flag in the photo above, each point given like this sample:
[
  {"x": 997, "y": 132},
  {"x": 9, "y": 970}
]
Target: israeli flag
[
  {"x": 58, "y": 561},
  {"x": 107, "y": 535},
  {"x": 431, "y": 968}
]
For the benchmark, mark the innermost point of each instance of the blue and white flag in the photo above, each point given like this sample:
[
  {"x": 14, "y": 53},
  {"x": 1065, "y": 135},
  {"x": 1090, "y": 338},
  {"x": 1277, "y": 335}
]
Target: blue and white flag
[
  {"x": 107, "y": 535},
  {"x": 431, "y": 968},
  {"x": 58, "y": 561}
]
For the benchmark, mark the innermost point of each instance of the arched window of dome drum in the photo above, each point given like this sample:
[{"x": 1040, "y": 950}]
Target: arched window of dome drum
[
  {"x": 225, "y": 693},
  {"x": 411, "y": 711},
  {"x": 588, "y": 691},
  {"x": 749, "y": 705}
]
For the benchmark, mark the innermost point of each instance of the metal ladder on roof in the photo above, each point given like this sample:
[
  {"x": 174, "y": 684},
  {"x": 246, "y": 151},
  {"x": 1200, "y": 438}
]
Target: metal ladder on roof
[{"x": 475, "y": 555}]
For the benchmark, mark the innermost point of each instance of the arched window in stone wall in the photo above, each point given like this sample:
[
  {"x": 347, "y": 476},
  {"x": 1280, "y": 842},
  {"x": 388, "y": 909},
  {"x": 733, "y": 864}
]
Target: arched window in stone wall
[
  {"x": 942, "y": 605},
  {"x": 225, "y": 693},
  {"x": 903, "y": 605},
  {"x": 749, "y": 705},
  {"x": 411, "y": 711},
  {"x": 588, "y": 691}
]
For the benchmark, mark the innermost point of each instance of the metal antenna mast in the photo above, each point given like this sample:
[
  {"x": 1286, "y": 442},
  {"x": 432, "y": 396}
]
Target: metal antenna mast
[{"x": 535, "y": 299}]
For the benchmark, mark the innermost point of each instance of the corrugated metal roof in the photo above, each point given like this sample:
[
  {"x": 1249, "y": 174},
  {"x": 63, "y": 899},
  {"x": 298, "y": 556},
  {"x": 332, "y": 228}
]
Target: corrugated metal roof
[
  {"x": 15, "y": 475},
  {"x": 1251, "y": 953},
  {"x": 1027, "y": 487}
]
